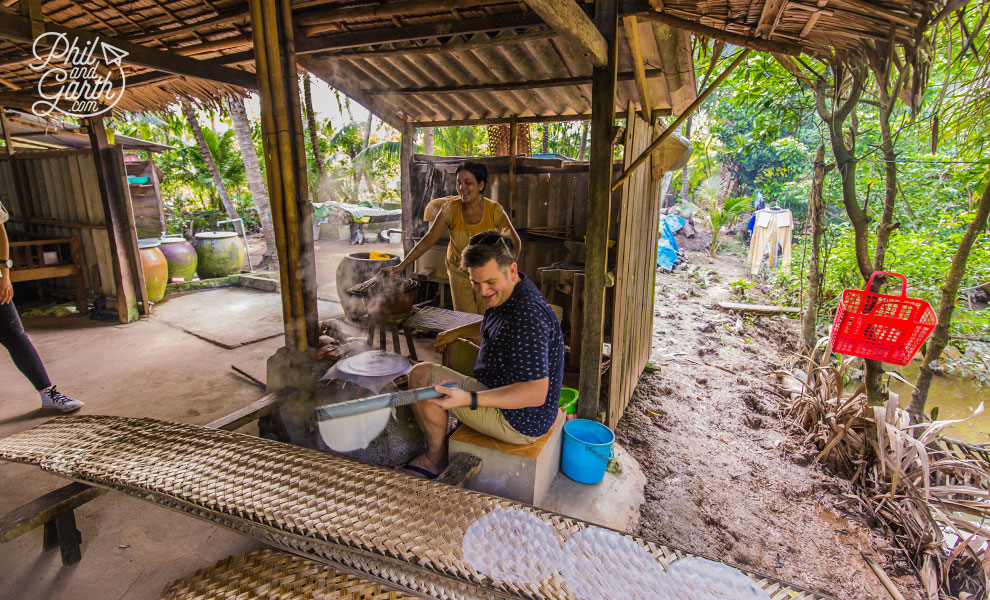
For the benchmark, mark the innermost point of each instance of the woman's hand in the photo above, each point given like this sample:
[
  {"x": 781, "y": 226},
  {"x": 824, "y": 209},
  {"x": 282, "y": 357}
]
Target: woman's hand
[
  {"x": 6, "y": 290},
  {"x": 444, "y": 339},
  {"x": 389, "y": 271}
]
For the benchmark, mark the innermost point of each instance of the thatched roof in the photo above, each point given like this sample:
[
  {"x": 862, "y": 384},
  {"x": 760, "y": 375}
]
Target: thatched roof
[{"x": 430, "y": 61}]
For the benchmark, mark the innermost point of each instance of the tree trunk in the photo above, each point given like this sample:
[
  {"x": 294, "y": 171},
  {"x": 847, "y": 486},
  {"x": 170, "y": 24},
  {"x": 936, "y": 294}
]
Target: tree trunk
[
  {"x": 845, "y": 161},
  {"x": 546, "y": 138},
  {"x": 211, "y": 165},
  {"x": 584, "y": 140},
  {"x": 255, "y": 180},
  {"x": 311, "y": 125},
  {"x": 364, "y": 158},
  {"x": 427, "y": 140},
  {"x": 686, "y": 173},
  {"x": 816, "y": 215},
  {"x": 940, "y": 337}
]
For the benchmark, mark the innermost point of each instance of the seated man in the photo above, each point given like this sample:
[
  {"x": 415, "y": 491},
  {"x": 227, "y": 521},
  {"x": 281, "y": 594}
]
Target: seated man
[{"x": 516, "y": 385}]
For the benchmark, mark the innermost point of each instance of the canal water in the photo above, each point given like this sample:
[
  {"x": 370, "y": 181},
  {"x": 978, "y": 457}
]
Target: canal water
[{"x": 956, "y": 398}]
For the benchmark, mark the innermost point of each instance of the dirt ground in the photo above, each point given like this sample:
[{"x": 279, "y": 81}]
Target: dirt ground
[{"x": 727, "y": 476}]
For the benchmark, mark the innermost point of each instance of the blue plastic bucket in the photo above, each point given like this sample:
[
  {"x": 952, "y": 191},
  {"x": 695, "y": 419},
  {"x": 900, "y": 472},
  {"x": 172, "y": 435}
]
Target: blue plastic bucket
[{"x": 586, "y": 451}]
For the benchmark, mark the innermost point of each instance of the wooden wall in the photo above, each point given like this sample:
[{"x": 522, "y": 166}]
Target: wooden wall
[
  {"x": 635, "y": 270},
  {"x": 146, "y": 198},
  {"x": 547, "y": 193},
  {"x": 56, "y": 194}
]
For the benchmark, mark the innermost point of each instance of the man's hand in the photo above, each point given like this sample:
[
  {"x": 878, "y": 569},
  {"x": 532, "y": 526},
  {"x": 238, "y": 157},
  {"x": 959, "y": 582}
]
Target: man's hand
[
  {"x": 6, "y": 290},
  {"x": 452, "y": 397},
  {"x": 444, "y": 338},
  {"x": 388, "y": 271}
]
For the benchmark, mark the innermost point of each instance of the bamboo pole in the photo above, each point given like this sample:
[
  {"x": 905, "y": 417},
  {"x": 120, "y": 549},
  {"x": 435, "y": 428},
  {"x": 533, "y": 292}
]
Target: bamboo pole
[{"x": 680, "y": 119}]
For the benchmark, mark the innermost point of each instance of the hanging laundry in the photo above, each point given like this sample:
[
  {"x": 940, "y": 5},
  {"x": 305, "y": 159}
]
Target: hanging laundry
[{"x": 772, "y": 238}]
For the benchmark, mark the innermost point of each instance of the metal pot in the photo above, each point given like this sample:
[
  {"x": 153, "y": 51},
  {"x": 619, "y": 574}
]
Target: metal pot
[{"x": 388, "y": 298}]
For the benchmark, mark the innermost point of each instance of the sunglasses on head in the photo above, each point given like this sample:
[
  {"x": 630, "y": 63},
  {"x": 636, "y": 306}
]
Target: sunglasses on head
[{"x": 488, "y": 239}]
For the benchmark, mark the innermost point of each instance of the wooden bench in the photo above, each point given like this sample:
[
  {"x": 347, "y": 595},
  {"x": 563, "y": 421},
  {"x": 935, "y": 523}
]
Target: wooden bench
[
  {"x": 47, "y": 258},
  {"x": 55, "y": 509}
]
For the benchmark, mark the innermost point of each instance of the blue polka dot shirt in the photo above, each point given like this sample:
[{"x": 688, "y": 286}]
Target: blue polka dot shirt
[{"x": 521, "y": 341}]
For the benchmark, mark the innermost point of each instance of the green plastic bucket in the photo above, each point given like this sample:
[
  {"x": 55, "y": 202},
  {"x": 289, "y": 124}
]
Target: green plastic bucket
[{"x": 568, "y": 400}]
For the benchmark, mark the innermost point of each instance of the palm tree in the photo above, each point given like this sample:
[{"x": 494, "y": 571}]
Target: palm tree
[
  {"x": 255, "y": 180},
  {"x": 311, "y": 125},
  {"x": 211, "y": 165}
]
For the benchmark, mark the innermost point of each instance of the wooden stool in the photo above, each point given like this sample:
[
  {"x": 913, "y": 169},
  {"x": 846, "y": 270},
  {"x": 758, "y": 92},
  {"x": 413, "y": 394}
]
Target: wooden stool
[{"x": 392, "y": 326}]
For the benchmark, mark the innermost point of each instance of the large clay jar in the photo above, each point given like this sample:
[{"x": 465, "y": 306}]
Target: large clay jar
[
  {"x": 181, "y": 258},
  {"x": 354, "y": 269},
  {"x": 155, "y": 268},
  {"x": 220, "y": 253}
]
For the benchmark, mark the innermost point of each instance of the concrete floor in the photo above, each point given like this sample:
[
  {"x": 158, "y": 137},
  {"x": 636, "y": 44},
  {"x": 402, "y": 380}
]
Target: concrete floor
[{"x": 131, "y": 549}]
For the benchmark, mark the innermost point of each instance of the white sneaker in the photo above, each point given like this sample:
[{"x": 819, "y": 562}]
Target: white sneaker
[{"x": 52, "y": 398}]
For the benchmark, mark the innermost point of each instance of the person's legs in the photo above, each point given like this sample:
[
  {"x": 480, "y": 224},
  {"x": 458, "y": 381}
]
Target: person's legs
[
  {"x": 15, "y": 340},
  {"x": 26, "y": 359},
  {"x": 431, "y": 418}
]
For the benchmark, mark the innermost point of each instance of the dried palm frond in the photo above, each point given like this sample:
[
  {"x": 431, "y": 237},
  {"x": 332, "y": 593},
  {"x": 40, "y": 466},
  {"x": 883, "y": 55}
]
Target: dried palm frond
[{"x": 932, "y": 493}]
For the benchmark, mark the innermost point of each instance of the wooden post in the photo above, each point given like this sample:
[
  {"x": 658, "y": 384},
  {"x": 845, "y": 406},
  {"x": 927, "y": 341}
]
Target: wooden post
[
  {"x": 127, "y": 272},
  {"x": 285, "y": 160},
  {"x": 599, "y": 206},
  {"x": 513, "y": 142},
  {"x": 6, "y": 132},
  {"x": 405, "y": 186}
]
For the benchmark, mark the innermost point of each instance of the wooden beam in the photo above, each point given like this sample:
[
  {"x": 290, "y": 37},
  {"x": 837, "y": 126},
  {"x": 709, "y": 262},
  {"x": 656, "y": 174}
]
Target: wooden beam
[
  {"x": 39, "y": 511},
  {"x": 680, "y": 119},
  {"x": 735, "y": 39},
  {"x": 630, "y": 26},
  {"x": 566, "y": 17},
  {"x": 224, "y": 17},
  {"x": 501, "y": 40},
  {"x": 356, "y": 39},
  {"x": 127, "y": 273},
  {"x": 507, "y": 86},
  {"x": 513, "y": 150},
  {"x": 770, "y": 17},
  {"x": 17, "y": 28},
  {"x": 496, "y": 120},
  {"x": 599, "y": 208},
  {"x": 406, "y": 148},
  {"x": 322, "y": 19}
]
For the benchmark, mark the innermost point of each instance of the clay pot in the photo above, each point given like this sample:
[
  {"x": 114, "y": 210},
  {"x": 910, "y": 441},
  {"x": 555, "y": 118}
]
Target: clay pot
[
  {"x": 155, "y": 268},
  {"x": 354, "y": 269},
  {"x": 181, "y": 258},
  {"x": 220, "y": 253}
]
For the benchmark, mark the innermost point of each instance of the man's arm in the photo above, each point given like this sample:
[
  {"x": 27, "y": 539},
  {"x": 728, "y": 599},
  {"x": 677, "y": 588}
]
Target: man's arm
[
  {"x": 471, "y": 331},
  {"x": 524, "y": 394}
]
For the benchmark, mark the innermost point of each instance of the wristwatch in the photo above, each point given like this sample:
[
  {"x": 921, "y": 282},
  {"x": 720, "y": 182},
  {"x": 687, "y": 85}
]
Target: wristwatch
[
  {"x": 7, "y": 263},
  {"x": 474, "y": 400}
]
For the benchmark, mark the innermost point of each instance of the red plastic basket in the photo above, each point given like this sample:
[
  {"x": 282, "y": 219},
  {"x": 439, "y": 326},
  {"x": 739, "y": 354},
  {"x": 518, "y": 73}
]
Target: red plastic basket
[{"x": 881, "y": 327}]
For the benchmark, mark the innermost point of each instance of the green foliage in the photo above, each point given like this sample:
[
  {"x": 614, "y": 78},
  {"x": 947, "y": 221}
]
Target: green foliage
[
  {"x": 459, "y": 141},
  {"x": 739, "y": 287},
  {"x": 720, "y": 214}
]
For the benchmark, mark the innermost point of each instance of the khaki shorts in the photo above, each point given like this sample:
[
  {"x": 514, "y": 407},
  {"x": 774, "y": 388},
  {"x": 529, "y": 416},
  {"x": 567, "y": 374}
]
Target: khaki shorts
[{"x": 485, "y": 419}]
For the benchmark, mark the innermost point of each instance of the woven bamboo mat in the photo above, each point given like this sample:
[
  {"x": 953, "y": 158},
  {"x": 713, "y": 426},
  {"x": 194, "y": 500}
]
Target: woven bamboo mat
[
  {"x": 437, "y": 540},
  {"x": 433, "y": 319},
  {"x": 272, "y": 575}
]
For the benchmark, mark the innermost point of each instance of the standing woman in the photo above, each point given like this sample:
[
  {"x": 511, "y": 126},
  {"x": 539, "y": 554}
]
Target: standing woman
[
  {"x": 16, "y": 341},
  {"x": 461, "y": 217}
]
